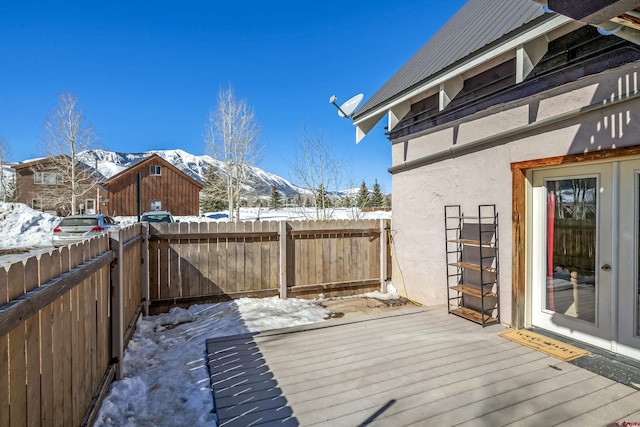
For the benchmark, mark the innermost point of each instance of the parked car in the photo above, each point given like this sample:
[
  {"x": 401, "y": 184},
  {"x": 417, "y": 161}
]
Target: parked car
[
  {"x": 76, "y": 228},
  {"x": 157, "y": 216}
]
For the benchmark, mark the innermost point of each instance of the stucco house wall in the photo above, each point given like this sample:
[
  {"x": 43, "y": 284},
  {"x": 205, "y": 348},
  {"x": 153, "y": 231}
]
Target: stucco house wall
[{"x": 482, "y": 175}]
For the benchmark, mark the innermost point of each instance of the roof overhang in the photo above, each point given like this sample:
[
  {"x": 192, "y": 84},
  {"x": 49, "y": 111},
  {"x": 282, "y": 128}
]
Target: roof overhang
[
  {"x": 594, "y": 12},
  {"x": 448, "y": 83},
  {"x": 619, "y": 17}
]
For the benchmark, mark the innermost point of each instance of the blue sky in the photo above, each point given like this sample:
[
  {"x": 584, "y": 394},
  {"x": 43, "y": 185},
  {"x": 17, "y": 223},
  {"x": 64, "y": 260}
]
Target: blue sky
[{"x": 148, "y": 72}]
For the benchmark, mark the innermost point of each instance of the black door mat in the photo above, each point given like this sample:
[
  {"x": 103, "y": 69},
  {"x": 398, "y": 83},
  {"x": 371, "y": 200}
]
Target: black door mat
[{"x": 602, "y": 362}]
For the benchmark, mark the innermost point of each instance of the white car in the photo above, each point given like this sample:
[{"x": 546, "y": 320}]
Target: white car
[
  {"x": 157, "y": 216},
  {"x": 76, "y": 228}
]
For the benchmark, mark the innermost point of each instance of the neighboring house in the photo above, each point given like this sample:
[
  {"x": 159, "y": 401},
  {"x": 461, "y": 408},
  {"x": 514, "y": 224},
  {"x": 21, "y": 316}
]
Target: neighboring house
[
  {"x": 536, "y": 112},
  {"x": 162, "y": 187},
  {"x": 44, "y": 184}
]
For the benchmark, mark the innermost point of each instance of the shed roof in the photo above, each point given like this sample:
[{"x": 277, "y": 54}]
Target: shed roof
[{"x": 475, "y": 25}]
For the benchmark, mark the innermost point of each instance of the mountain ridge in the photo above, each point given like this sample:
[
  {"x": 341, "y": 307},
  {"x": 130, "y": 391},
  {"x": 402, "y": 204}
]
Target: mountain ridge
[{"x": 259, "y": 182}]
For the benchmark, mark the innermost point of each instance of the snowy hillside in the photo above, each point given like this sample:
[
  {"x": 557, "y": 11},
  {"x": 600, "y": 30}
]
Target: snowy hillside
[{"x": 259, "y": 182}]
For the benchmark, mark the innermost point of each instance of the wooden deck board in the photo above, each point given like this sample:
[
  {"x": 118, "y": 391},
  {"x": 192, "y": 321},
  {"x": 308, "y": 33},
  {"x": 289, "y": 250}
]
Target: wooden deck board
[
  {"x": 536, "y": 404},
  {"x": 422, "y": 368},
  {"x": 575, "y": 408},
  {"x": 602, "y": 415},
  {"x": 448, "y": 404}
]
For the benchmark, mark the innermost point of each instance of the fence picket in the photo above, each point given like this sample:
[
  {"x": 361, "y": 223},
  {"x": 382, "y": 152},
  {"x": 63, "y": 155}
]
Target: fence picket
[
  {"x": 154, "y": 266},
  {"x": 4, "y": 357},
  {"x": 274, "y": 257},
  {"x": 223, "y": 248},
  {"x": 32, "y": 337},
  {"x": 240, "y": 244},
  {"x": 252, "y": 258},
  {"x": 333, "y": 244},
  {"x": 17, "y": 349},
  {"x": 212, "y": 251}
]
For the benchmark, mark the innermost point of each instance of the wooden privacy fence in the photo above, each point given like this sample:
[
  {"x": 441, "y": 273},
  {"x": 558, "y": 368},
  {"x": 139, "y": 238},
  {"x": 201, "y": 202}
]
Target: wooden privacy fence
[
  {"x": 67, "y": 315},
  {"x": 208, "y": 261},
  {"x": 63, "y": 324},
  {"x": 574, "y": 244}
]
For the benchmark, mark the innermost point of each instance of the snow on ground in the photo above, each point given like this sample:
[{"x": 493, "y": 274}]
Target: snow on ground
[
  {"x": 166, "y": 380},
  {"x": 21, "y": 226}
]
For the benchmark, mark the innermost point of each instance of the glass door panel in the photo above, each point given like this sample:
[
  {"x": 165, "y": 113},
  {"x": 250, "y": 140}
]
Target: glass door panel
[
  {"x": 628, "y": 307},
  {"x": 570, "y": 241},
  {"x": 571, "y": 247}
]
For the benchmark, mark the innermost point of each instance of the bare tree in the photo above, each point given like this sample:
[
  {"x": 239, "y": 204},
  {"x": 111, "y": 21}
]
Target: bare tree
[
  {"x": 7, "y": 186},
  {"x": 66, "y": 135},
  {"x": 232, "y": 137},
  {"x": 316, "y": 167}
]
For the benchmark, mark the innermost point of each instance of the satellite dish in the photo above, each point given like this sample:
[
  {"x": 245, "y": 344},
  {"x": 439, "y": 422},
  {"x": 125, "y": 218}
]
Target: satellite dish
[{"x": 349, "y": 106}]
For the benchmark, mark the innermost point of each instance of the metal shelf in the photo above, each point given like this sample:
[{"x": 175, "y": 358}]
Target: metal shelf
[{"x": 472, "y": 264}]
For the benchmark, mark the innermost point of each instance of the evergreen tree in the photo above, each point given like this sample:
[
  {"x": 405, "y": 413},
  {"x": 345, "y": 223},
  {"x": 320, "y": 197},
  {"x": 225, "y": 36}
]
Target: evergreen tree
[
  {"x": 322, "y": 198},
  {"x": 307, "y": 202},
  {"x": 377, "y": 198},
  {"x": 297, "y": 200},
  {"x": 387, "y": 201},
  {"x": 364, "y": 199},
  {"x": 276, "y": 200},
  {"x": 214, "y": 196}
]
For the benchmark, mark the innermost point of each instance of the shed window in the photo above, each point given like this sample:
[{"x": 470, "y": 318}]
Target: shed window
[
  {"x": 47, "y": 178},
  {"x": 154, "y": 170},
  {"x": 155, "y": 205}
]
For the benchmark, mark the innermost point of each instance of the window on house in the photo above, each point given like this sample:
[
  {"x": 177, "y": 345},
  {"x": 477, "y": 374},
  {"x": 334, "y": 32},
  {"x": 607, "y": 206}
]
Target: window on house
[
  {"x": 155, "y": 205},
  {"x": 47, "y": 178},
  {"x": 91, "y": 206},
  {"x": 154, "y": 170}
]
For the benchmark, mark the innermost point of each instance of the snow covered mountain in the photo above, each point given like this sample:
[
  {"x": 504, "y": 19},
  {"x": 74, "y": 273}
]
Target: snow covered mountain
[{"x": 259, "y": 182}]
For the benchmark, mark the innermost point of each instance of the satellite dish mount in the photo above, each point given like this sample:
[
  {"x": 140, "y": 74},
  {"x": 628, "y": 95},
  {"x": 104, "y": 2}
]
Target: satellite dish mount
[{"x": 348, "y": 107}]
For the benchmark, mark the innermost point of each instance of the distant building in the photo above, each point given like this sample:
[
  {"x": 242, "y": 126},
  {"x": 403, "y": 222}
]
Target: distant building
[{"x": 41, "y": 185}]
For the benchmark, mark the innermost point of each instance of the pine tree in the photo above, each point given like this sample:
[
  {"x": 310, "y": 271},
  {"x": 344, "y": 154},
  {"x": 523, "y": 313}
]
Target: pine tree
[
  {"x": 322, "y": 198},
  {"x": 364, "y": 199},
  {"x": 297, "y": 200},
  {"x": 387, "y": 201},
  {"x": 377, "y": 198},
  {"x": 214, "y": 197},
  {"x": 276, "y": 200}
]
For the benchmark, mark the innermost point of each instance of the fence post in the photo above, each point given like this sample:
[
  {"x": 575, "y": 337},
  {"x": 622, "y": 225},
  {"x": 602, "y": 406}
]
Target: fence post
[
  {"x": 282, "y": 235},
  {"x": 383, "y": 255},
  {"x": 117, "y": 321},
  {"x": 144, "y": 268}
]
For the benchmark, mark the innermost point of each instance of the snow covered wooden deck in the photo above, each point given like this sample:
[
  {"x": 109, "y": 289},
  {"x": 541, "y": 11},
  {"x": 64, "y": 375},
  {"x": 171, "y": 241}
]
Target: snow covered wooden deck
[{"x": 415, "y": 367}]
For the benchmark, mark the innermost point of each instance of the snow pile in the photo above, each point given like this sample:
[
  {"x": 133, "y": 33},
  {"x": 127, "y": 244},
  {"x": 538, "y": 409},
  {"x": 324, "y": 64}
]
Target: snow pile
[
  {"x": 166, "y": 377},
  {"x": 21, "y": 226}
]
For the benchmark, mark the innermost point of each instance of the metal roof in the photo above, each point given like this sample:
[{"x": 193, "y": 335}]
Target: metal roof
[{"x": 477, "y": 24}]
